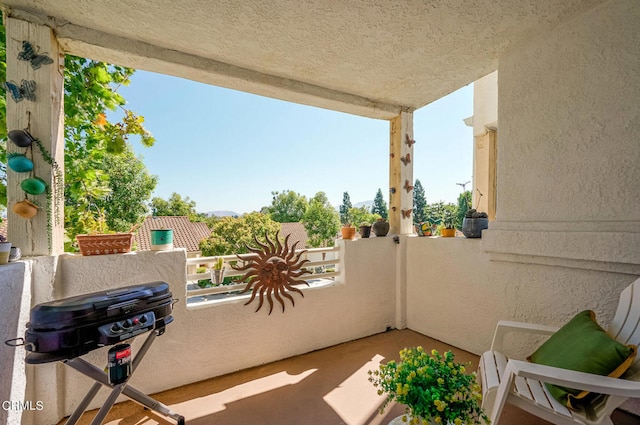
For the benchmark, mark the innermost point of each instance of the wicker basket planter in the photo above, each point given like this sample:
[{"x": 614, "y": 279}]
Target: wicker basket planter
[{"x": 105, "y": 244}]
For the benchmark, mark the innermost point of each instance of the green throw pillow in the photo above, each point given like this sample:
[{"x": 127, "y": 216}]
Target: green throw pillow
[{"x": 584, "y": 346}]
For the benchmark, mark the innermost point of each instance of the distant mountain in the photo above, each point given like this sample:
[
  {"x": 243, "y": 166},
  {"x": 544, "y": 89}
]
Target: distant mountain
[
  {"x": 367, "y": 204},
  {"x": 223, "y": 214}
]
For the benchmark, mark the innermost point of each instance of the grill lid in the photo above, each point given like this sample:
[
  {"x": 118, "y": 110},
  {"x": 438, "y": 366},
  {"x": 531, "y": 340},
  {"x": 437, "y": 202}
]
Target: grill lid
[{"x": 97, "y": 306}]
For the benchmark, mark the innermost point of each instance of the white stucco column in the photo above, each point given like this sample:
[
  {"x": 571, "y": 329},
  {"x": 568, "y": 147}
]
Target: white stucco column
[
  {"x": 401, "y": 174},
  {"x": 43, "y": 118}
]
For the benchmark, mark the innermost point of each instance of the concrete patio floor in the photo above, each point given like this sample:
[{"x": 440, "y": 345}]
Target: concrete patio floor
[{"x": 324, "y": 387}]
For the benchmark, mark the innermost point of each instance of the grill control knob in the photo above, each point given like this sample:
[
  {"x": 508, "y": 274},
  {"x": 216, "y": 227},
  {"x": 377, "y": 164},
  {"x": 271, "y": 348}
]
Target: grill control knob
[
  {"x": 127, "y": 323},
  {"x": 116, "y": 327},
  {"x": 143, "y": 319}
]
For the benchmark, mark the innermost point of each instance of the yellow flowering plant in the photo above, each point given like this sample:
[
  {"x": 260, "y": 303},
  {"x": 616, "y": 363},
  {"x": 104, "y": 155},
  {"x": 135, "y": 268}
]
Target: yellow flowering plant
[{"x": 432, "y": 386}]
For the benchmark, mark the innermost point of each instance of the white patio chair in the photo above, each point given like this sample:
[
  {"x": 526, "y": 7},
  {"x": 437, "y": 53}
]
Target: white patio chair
[{"x": 521, "y": 383}]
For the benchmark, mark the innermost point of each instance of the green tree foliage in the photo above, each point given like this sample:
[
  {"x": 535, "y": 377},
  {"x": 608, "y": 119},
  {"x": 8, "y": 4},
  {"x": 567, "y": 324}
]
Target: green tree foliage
[
  {"x": 90, "y": 89},
  {"x": 361, "y": 216},
  {"x": 130, "y": 182},
  {"x": 321, "y": 221},
  {"x": 174, "y": 206},
  {"x": 439, "y": 213},
  {"x": 91, "y": 142},
  {"x": 231, "y": 235},
  {"x": 287, "y": 207},
  {"x": 419, "y": 203},
  {"x": 380, "y": 206},
  {"x": 344, "y": 208},
  {"x": 464, "y": 203}
]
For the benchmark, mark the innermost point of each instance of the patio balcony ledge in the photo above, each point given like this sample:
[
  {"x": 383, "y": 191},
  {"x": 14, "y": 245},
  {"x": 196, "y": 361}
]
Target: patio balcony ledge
[{"x": 437, "y": 287}]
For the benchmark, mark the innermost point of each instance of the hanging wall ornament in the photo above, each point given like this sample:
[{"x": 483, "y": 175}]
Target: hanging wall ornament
[
  {"x": 409, "y": 141},
  {"x": 408, "y": 186},
  {"x": 19, "y": 163},
  {"x": 26, "y": 90},
  {"x": 272, "y": 272},
  {"x": 25, "y": 209},
  {"x": 20, "y": 138},
  {"x": 33, "y": 185},
  {"x": 31, "y": 54}
]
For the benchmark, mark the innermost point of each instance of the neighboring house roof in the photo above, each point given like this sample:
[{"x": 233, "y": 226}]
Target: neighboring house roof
[
  {"x": 298, "y": 234},
  {"x": 185, "y": 233}
]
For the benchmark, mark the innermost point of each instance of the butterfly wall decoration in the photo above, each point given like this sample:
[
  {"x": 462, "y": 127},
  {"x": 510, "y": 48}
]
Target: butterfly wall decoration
[
  {"x": 26, "y": 90},
  {"x": 406, "y": 159},
  {"x": 406, "y": 213},
  {"x": 408, "y": 186},
  {"x": 31, "y": 54},
  {"x": 409, "y": 141}
]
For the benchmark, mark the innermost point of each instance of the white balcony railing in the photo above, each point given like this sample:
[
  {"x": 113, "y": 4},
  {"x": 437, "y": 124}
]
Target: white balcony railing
[{"x": 323, "y": 265}]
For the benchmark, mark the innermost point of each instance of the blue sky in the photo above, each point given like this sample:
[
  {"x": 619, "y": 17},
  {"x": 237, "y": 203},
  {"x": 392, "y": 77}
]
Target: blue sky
[{"x": 228, "y": 150}]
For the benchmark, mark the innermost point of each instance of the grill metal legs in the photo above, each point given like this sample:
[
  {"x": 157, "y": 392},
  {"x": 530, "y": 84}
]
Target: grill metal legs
[{"x": 101, "y": 379}]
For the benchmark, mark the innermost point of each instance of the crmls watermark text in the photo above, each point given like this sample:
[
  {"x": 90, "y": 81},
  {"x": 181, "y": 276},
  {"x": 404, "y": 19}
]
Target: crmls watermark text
[{"x": 22, "y": 405}]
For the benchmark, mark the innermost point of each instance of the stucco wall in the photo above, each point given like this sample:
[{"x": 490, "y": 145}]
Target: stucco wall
[
  {"x": 485, "y": 103},
  {"x": 568, "y": 154},
  {"x": 15, "y": 296},
  {"x": 570, "y": 121},
  {"x": 449, "y": 295},
  {"x": 566, "y": 235},
  {"x": 208, "y": 342}
]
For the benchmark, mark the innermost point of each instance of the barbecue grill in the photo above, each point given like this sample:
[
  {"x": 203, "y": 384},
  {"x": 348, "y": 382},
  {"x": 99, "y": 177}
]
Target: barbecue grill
[{"x": 63, "y": 330}]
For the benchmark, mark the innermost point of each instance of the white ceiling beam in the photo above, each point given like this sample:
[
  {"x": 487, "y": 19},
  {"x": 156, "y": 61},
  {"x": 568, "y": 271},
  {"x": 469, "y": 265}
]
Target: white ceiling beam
[{"x": 97, "y": 45}]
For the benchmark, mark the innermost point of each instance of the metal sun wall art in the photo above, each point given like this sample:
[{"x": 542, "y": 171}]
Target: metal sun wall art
[{"x": 272, "y": 271}]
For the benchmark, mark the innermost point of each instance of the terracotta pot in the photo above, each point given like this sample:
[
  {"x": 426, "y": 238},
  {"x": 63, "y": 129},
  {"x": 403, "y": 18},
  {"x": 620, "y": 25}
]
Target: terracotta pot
[
  {"x": 348, "y": 232},
  {"x": 26, "y": 208},
  {"x": 115, "y": 243}
]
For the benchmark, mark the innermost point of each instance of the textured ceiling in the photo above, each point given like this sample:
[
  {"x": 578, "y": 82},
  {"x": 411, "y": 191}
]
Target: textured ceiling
[{"x": 369, "y": 57}]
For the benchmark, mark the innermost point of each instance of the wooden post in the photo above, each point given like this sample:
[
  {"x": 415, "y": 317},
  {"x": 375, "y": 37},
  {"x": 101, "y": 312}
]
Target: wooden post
[
  {"x": 401, "y": 174},
  {"x": 44, "y": 119}
]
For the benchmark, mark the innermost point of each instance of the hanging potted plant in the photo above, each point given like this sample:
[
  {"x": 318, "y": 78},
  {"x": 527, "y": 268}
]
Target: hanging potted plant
[{"x": 434, "y": 389}]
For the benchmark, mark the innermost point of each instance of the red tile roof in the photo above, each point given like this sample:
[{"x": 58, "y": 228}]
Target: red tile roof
[
  {"x": 185, "y": 233},
  {"x": 298, "y": 234}
]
